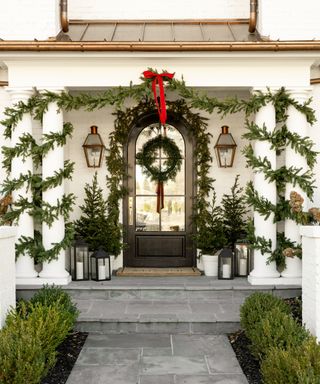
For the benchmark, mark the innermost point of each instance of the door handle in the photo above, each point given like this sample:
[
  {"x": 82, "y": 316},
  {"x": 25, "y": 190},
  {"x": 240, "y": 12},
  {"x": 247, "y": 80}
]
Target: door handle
[{"x": 130, "y": 208}]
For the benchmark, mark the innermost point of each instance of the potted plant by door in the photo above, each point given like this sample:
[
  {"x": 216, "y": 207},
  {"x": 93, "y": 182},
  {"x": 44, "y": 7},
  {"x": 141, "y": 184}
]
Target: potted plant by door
[{"x": 210, "y": 237}]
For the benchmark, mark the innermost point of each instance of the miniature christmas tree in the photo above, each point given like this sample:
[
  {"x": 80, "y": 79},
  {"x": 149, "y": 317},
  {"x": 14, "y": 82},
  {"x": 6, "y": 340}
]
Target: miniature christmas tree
[
  {"x": 93, "y": 223},
  {"x": 234, "y": 212}
]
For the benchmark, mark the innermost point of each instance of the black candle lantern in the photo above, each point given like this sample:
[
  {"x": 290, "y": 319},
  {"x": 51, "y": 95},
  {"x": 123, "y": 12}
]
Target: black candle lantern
[
  {"x": 242, "y": 258},
  {"x": 225, "y": 148},
  {"x": 93, "y": 148},
  {"x": 79, "y": 260},
  {"x": 226, "y": 264},
  {"x": 100, "y": 265}
]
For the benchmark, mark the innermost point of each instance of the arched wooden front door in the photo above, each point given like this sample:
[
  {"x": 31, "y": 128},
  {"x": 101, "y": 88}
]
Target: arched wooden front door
[{"x": 159, "y": 239}]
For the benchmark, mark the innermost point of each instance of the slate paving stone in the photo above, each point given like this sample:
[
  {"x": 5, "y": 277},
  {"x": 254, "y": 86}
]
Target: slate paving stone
[
  {"x": 158, "y": 365},
  {"x": 223, "y": 360},
  {"x": 198, "y": 345},
  {"x": 158, "y": 308},
  {"x": 157, "y": 379},
  {"x": 128, "y": 341},
  {"x": 108, "y": 374},
  {"x": 156, "y": 351},
  {"x": 212, "y": 379},
  {"x": 105, "y": 356}
]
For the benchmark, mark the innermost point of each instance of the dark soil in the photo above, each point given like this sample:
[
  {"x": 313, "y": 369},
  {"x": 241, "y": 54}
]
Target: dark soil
[
  {"x": 241, "y": 346},
  {"x": 68, "y": 353}
]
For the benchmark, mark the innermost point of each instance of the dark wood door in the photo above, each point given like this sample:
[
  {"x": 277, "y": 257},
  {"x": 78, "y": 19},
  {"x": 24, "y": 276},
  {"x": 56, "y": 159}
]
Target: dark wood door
[{"x": 159, "y": 239}]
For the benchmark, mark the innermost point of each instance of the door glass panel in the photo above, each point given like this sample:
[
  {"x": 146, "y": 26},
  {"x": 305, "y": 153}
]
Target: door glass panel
[
  {"x": 173, "y": 214},
  {"x": 176, "y": 187},
  {"x": 146, "y": 134},
  {"x": 144, "y": 186},
  {"x": 147, "y": 218}
]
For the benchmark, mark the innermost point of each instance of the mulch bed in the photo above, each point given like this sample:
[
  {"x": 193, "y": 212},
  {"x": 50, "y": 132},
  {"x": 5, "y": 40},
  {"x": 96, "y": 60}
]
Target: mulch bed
[
  {"x": 68, "y": 353},
  {"x": 241, "y": 346}
]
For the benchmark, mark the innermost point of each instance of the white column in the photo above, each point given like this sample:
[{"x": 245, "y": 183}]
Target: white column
[
  {"x": 25, "y": 226},
  {"x": 313, "y": 133},
  {"x": 5, "y": 101},
  {"x": 53, "y": 161},
  {"x": 264, "y": 273},
  {"x": 296, "y": 123}
]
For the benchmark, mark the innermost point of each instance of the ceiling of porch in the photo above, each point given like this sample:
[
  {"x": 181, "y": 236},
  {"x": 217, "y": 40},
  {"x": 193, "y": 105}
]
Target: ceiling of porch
[{"x": 233, "y": 30}]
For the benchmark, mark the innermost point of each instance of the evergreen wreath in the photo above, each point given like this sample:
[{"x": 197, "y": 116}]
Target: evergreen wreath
[{"x": 147, "y": 156}]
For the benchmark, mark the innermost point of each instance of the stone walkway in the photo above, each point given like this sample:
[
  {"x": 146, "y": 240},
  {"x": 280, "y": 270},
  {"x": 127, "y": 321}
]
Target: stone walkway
[{"x": 157, "y": 359}]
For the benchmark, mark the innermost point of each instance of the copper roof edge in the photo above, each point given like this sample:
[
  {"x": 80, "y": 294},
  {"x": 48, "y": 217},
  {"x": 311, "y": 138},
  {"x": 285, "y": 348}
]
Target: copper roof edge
[
  {"x": 159, "y": 21},
  {"x": 158, "y": 46}
]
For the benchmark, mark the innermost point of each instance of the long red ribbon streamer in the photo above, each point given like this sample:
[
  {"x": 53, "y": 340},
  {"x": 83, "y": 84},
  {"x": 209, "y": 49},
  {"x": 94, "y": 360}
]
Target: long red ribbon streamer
[
  {"x": 162, "y": 110},
  {"x": 158, "y": 80}
]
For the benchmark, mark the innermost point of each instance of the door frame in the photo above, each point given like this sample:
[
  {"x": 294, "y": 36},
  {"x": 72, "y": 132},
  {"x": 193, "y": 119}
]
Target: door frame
[{"x": 181, "y": 124}]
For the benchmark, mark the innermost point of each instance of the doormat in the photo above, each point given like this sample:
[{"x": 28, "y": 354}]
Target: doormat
[{"x": 154, "y": 272}]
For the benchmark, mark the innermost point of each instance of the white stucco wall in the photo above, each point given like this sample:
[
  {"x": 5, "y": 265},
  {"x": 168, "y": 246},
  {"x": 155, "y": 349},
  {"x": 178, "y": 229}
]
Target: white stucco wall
[
  {"x": 7, "y": 271},
  {"x": 311, "y": 279},
  {"x": 165, "y": 9},
  {"x": 289, "y": 19},
  {"x": 29, "y": 19},
  {"x": 285, "y": 19}
]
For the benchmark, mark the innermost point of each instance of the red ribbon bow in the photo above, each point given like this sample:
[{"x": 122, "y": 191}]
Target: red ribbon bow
[{"x": 158, "y": 80}]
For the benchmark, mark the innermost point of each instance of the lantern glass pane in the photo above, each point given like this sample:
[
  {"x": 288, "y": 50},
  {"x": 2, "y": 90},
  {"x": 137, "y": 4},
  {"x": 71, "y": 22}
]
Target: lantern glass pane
[
  {"x": 94, "y": 156},
  {"x": 93, "y": 268},
  {"x": 93, "y": 139},
  {"x": 242, "y": 259},
  {"x": 226, "y": 139},
  {"x": 225, "y": 155},
  {"x": 226, "y": 267}
]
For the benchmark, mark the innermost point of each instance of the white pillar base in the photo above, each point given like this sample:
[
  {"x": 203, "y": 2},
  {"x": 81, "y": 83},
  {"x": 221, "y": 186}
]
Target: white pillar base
[
  {"x": 292, "y": 281},
  {"x": 38, "y": 281},
  {"x": 293, "y": 268},
  {"x": 55, "y": 269}
]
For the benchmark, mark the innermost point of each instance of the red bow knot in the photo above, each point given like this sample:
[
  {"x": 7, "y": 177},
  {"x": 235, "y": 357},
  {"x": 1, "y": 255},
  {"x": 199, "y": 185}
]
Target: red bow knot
[{"x": 158, "y": 80}]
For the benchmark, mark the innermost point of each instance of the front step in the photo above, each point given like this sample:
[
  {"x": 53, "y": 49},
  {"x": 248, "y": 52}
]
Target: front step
[{"x": 189, "y": 305}]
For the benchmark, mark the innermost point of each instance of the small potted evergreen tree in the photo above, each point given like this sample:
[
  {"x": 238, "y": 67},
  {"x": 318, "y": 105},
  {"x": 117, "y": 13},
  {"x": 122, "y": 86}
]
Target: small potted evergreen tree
[
  {"x": 93, "y": 225},
  {"x": 210, "y": 236}
]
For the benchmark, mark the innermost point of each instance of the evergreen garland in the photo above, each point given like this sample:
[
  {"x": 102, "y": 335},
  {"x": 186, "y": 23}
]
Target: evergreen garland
[{"x": 116, "y": 97}]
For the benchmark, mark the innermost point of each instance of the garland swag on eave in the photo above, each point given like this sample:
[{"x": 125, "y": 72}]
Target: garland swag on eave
[{"x": 116, "y": 97}]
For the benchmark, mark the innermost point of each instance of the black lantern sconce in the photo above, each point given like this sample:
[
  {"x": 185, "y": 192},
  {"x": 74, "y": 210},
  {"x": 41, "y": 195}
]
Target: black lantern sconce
[
  {"x": 93, "y": 148},
  {"x": 79, "y": 262},
  {"x": 100, "y": 265},
  {"x": 242, "y": 258},
  {"x": 226, "y": 264},
  {"x": 225, "y": 148}
]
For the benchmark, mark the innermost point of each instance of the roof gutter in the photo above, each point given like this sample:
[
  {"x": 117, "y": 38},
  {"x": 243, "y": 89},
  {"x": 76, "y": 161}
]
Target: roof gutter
[
  {"x": 64, "y": 15},
  {"x": 253, "y": 16},
  {"x": 54, "y": 46}
]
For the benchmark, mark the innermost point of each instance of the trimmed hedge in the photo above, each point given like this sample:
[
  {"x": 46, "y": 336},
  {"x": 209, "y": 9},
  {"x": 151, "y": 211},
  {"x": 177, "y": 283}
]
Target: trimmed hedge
[
  {"x": 299, "y": 365},
  {"x": 255, "y": 308},
  {"x": 277, "y": 329},
  {"x": 288, "y": 353},
  {"x": 31, "y": 335}
]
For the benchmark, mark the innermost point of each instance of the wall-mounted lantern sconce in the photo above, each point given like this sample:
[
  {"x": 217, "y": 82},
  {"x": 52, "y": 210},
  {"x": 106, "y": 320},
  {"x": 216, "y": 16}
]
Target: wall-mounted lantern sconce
[
  {"x": 93, "y": 148},
  {"x": 225, "y": 148}
]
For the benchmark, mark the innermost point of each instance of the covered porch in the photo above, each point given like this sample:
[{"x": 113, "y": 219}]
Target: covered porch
[{"x": 219, "y": 74}]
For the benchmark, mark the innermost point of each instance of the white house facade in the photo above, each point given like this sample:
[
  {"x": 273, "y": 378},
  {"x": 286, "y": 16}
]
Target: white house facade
[{"x": 208, "y": 44}]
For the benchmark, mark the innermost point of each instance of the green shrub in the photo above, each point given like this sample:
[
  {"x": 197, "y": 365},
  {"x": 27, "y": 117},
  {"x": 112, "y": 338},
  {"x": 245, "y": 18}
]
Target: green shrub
[
  {"x": 277, "y": 329},
  {"x": 22, "y": 358},
  {"x": 31, "y": 335},
  {"x": 299, "y": 365},
  {"x": 53, "y": 295},
  {"x": 256, "y": 307}
]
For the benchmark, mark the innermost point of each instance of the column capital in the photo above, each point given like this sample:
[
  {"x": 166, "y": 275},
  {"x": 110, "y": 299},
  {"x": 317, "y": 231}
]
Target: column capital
[
  {"x": 264, "y": 89},
  {"x": 300, "y": 93},
  {"x": 19, "y": 93},
  {"x": 51, "y": 89}
]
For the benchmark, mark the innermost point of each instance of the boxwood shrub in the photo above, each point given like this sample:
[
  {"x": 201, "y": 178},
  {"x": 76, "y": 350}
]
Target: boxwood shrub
[
  {"x": 31, "y": 335},
  {"x": 255, "y": 308},
  {"x": 276, "y": 329},
  {"x": 298, "y": 365}
]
